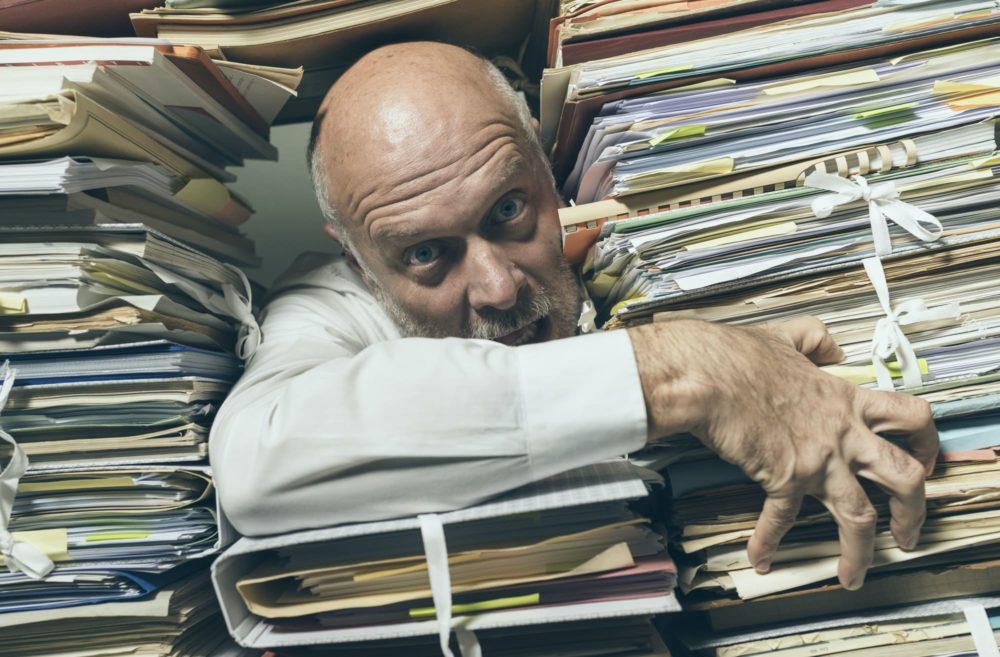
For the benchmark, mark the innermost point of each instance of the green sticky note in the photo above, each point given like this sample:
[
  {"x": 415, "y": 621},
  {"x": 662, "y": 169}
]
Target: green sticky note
[
  {"x": 678, "y": 133},
  {"x": 870, "y": 113},
  {"x": 666, "y": 70}
]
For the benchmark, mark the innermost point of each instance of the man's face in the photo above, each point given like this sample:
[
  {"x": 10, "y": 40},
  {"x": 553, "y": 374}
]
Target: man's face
[{"x": 464, "y": 240}]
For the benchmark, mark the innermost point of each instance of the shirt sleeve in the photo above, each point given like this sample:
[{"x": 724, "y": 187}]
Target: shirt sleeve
[{"x": 328, "y": 426}]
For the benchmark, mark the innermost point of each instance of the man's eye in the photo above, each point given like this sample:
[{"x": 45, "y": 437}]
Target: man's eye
[
  {"x": 423, "y": 254},
  {"x": 508, "y": 208}
]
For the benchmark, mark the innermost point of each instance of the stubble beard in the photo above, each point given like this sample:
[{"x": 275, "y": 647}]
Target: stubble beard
[{"x": 560, "y": 303}]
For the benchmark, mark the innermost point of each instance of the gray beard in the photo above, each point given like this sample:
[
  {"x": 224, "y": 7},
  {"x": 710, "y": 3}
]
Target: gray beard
[{"x": 561, "y": 305}]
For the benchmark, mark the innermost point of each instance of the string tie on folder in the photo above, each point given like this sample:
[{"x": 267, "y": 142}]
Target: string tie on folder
[
  {"x": 239, "y": 304},
  {"x": 883, "y": 202},
  {"x": 436, "y": 552},
  {"x": 889, "y": 339},
  {"x": 18, "y": 555}
]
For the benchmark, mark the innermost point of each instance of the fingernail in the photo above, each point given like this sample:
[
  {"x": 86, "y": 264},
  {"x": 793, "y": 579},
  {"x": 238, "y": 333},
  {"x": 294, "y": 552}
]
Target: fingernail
[
  {"x": 910, "y": 542},
  {"x": 763, "y": 566},
  {"x": 855, "y": 583}
]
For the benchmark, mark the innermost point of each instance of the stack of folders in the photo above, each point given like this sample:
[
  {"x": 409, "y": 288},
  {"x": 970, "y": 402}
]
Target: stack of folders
[
  {"x": 327, "y": 36},
  {"x": 123, "y": 322},
  {"x": 567, "y": 566},
  {"x": 861, "y": 189}
]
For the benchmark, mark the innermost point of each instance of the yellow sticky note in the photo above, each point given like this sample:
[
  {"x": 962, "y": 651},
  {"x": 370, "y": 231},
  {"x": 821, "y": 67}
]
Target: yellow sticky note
[
  {"x": 477, "y": 607},
  {"x": 842, "y": 79},
  {"x": 13, "y": 304},
  {"x": 786, "y": 228},
  {"x": 869, "y": 113},
  {"x": 621, "y": 304},
  {"x": 861, "y": 374},
  {"x": 53, "y": 543},
  {"x": 117, "y": 536},
  {"x": 678, "y": 133},
  {"x": 71, "y": 484},
  {"x": 666, "y": 70}
]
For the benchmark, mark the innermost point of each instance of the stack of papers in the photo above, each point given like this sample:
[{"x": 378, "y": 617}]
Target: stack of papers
[
  {"x": 179, "y": 619},
  {"x": 752, "y": 41},
  {"x": 840, "y": 161},
  {"x": 327, "y": 36},
  {"x": 120, "y": 131},
  {"x": 546, "y": 556},
  {"x": 124, "y": 321}
]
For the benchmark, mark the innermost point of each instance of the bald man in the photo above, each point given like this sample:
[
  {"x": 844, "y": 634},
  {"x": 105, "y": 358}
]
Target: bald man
[{"x": 435, "y": 365}]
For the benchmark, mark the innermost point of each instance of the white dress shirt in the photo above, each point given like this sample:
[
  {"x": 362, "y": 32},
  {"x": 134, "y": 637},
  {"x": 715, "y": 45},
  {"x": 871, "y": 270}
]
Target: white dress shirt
[{"x": 338, "y": 419}]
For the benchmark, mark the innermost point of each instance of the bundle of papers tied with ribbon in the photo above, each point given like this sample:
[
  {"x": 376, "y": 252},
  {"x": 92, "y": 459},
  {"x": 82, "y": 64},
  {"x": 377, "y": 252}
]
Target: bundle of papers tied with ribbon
[
  {"x": 853, "y": 183},
  {"x": 548, "y": 556}
]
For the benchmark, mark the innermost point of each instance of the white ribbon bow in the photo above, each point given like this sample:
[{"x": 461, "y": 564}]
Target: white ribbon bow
[
  {"x": 883, "y": 201},
  {"x": 889, "y": 338},
  {"x": 18, "y": 555},
  {"x": 249, "y": 337}
]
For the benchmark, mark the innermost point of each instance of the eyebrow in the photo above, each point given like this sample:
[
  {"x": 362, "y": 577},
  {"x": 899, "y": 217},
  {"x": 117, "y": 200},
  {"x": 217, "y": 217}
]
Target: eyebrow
[{"x": 407, "y": 232}]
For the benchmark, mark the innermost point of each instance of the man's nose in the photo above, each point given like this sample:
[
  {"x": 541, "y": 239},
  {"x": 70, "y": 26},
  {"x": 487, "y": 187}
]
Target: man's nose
[{"x": 495, "y": 281}]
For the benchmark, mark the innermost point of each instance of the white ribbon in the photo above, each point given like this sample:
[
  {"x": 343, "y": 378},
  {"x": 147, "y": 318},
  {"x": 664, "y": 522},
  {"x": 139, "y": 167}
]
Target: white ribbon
[
  {"x": 436, "y": 552},
  {"x": 233, "y": 303},
  {"x": 18, "y": 555},
  {"x": 239, "y": 304},
  {"x": 889, "y": 338},
  {"x": 883, "y": 201},
  {"x": 981, "y": 630}
]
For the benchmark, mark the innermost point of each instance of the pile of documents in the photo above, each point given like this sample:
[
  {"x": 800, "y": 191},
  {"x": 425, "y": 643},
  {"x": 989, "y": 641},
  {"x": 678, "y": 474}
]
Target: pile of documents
[
  {"x": 124, "y": 320},
  {"x": 327, "y": 36},
  {"x": 839, "y": 162},
  {"x": 569, "y": 565}
]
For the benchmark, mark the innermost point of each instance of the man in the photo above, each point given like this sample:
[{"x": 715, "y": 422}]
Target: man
[{"x": 429, "y": 171}]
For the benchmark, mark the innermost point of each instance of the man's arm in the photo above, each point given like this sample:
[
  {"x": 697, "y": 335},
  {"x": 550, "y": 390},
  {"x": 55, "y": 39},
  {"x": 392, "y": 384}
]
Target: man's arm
[
  {"x": 333, "y": 422},
  {"x": 753, "y": 396}
]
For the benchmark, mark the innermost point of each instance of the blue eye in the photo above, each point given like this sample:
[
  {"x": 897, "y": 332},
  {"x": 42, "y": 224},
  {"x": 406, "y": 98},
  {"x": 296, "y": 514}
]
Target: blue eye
[
  {"x": 424, "y": 254},
  {"x": 508, "y": 208}
]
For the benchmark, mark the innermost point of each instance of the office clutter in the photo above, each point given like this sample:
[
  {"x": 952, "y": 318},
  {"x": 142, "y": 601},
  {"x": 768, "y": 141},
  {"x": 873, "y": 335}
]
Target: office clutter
[
  {"x": 124, "y": 319},
  {"x": 834, "y": 159}
]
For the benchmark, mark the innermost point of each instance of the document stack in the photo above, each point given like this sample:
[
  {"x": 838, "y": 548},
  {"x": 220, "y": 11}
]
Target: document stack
[
  {"x": 327, "y": 36},
  {"x": 838, "y": 159},
  {"x": 123, "y": 322},
  {"x": 569, "y": 566}
]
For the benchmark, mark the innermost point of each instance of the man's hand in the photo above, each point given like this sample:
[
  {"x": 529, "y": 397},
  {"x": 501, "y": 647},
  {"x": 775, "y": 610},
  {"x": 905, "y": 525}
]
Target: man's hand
[{"x": 756, "y": 398}]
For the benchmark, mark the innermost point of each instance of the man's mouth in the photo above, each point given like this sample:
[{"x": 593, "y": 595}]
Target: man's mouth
[{"x": 529, "y": 333}]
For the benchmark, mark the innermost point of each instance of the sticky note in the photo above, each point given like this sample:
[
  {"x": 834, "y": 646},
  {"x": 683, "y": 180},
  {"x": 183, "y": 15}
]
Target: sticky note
[
  {"x": 841, "y": 79},
  {"x": 678, "y": 133},
  {"x": 666, "y": 70},
  {"x": 53, "y": 543},
  {"x": 860, "y": 374},
  {"x": 117, "y": 536},
  {"x": 869, "y": 113},
  {"x": 476, "y": 607},
  {"x": 13, "y": 304}
]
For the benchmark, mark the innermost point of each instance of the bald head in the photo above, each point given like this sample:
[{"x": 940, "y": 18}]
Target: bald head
[
  {"x": 429, "y": 172},
  {"x": 395, "y": 107}
]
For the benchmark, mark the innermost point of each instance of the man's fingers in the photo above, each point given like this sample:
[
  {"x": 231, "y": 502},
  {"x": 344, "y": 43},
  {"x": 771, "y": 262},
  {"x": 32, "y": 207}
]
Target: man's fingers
[
  {"x": 855, "y": 518},
  {"x": 810, "y": 337},
  {"x": 902, "y": 476},
  {"x": 896, "y": 413},
  {"x": 776, "y": 518}
]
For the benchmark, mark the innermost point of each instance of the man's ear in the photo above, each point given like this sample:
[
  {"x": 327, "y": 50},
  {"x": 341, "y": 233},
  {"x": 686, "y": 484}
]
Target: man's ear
[
  {"x": 331, "y": 232},
  {"x": 537, "y": 126}
]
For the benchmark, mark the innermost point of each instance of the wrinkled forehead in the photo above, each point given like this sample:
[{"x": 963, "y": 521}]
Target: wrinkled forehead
[{"x": 387, "y": 136}]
